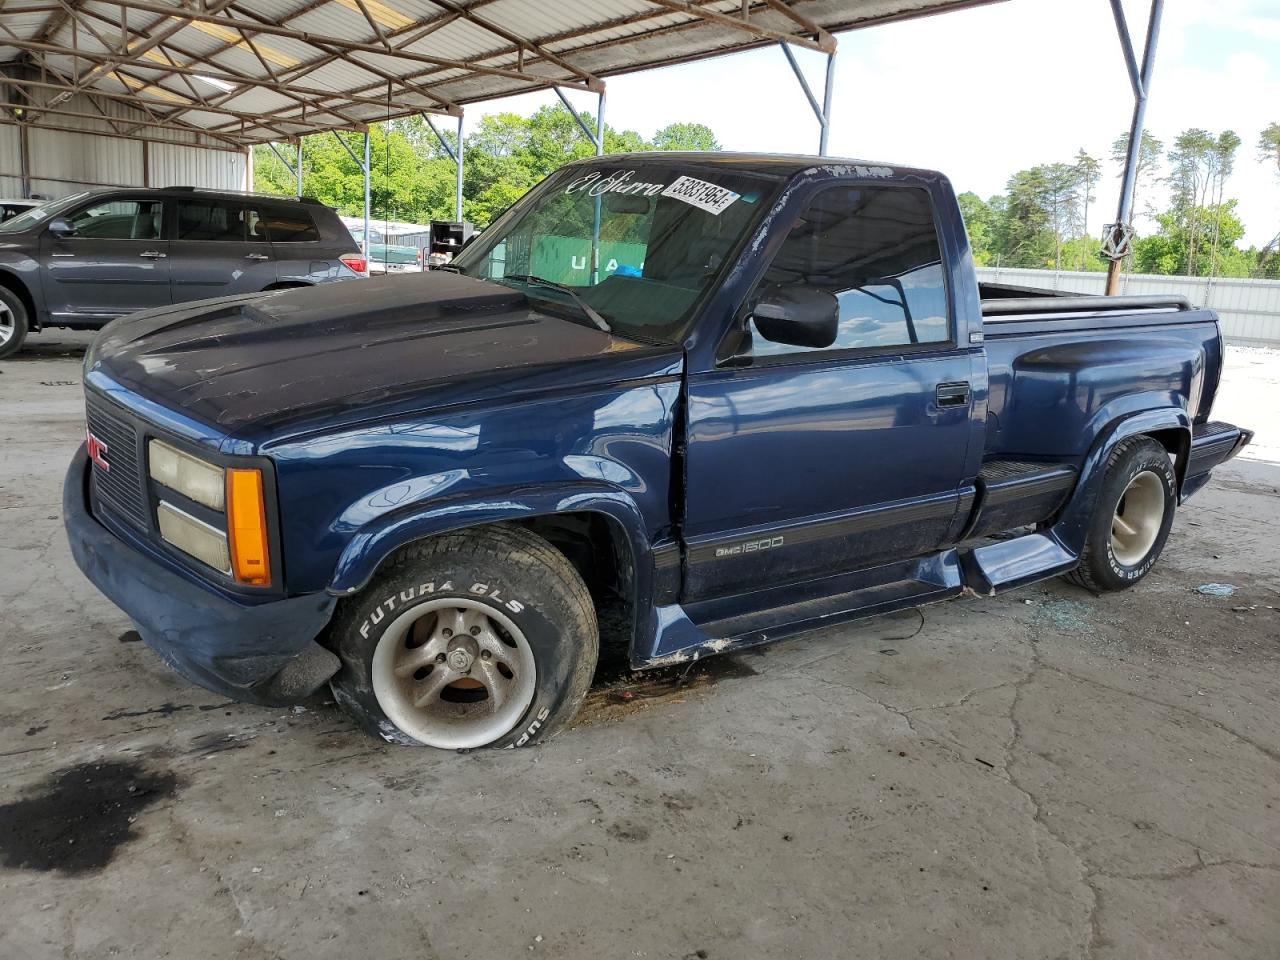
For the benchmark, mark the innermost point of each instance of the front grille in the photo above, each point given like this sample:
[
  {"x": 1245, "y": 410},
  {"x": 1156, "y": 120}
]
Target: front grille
[{"x": 122, "y": 487}]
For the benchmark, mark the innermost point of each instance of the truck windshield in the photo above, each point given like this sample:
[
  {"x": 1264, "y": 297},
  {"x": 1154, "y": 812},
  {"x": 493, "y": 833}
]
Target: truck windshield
[{"x": 638, "y": 244}]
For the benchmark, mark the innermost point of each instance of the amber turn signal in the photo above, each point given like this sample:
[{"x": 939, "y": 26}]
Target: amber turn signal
[{"x": 247, "y": 525}]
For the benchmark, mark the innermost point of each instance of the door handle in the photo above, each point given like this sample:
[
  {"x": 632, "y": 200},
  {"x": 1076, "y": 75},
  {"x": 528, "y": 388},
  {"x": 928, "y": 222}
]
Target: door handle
[
  {"x": 953, "y": 394},
  {"x": 153, "y": 254},
  {"x": 256, "y": 256}
]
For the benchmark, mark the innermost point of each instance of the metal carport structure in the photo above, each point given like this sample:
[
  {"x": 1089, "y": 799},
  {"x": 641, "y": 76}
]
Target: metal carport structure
[{"x": 228, "y": 74}]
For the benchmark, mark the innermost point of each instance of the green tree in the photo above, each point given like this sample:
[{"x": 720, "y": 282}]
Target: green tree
[
  {"x": 1269, "y": 146},
  {"x": 1168, "y": 251},
  {"x": 979, "y": 224},
  {"x": 1150, "y": 155},
  {"x": 685, "y": 136},
  {"x": 412, "y": 176},
  {"x": 1269, "y": 153},
  {"x": 1024, "y": 236},
  {"x": 1224, "y": 161},
  {"x": 1088, "y": 173}
]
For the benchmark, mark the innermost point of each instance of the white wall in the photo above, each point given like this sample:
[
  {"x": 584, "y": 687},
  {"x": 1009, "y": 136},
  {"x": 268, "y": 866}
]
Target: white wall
[
  {"x": 61, "y": 162},
  {"x": 1249, "y": 309}
]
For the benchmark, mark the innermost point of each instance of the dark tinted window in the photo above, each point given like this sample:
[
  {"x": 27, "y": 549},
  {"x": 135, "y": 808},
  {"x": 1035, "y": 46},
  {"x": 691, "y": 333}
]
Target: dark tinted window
[
  {"x": 289, "y": 226},
  {"x": 876, "y": 249},
  {"x": 211, "y": 220},
  {"x": 118, "y": 220}
]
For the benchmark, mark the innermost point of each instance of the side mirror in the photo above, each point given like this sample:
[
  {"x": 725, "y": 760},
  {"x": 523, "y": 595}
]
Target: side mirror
[
  {"x": 799, "y": 316},
  {"x": 61, "y": 228}
]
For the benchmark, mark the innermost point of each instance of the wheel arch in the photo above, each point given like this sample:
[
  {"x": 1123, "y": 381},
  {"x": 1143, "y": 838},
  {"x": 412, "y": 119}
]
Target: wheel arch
[
  {"x": 1168, "y": 426},
  {"x": 18, "y": 287},
  {"x": 587, "y": 526}
]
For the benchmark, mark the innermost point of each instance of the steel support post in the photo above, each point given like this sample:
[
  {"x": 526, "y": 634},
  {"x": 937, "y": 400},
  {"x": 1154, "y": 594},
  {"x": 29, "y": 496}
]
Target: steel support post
[
  {"x": 821, "y": 111},
  {"x": 366, "y": 195},
  {"x": 595, "y": 223},
  {"x": 1116, "y": 245},
  {"x": 597, "y": 140},
  {"x": 457, "y": 188},
  {"x": 299, "y": 168}
]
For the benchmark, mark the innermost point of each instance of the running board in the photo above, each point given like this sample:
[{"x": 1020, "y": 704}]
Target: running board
[
  {"x": 684, "y": 633},
  {"x": 1006, "y": 564},
  {"x": 816, "y": 614}
]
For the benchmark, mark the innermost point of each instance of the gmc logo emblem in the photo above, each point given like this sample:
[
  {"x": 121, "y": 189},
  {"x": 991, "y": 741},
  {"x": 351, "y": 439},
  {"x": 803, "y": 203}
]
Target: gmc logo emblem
[{"x": 97, "y": 451}]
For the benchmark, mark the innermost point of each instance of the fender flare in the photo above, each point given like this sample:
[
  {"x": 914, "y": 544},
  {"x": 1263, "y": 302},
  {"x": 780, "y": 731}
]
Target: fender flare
[
  {"x": 1073, "y": 526},
  {"x": 374, "y": 543}
]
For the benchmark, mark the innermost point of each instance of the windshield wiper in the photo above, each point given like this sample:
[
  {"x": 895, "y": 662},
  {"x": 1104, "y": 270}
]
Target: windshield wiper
[{"x": 585, "y": 307}]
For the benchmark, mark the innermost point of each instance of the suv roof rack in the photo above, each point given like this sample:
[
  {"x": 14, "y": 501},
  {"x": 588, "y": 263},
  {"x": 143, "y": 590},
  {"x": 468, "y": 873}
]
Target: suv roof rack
[{"x": 246, "y": 193}]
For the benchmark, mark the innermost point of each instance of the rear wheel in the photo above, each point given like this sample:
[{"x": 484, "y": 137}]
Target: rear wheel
[
  {"x": 1132, "y": 518},
  {"x": 13, "y": 323},
  {"x": 483, "y": 638}
]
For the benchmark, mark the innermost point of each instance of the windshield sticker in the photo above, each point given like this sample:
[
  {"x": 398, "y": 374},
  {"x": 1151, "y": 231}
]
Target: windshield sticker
[
  {"x": 697, "y": 193},
  {"x": 700, "y": 194},
  {"x": 595, "y": 184}
]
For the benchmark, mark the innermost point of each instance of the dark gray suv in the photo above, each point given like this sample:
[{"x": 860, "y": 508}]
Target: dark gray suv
[{"x": 84, "y": 260}]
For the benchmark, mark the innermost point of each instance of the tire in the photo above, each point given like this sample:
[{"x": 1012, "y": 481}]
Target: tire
[
  {"x": 14, "y": 323},
  {"x": 472, "y": 639},
  {"x": 1132, "y": 517}
]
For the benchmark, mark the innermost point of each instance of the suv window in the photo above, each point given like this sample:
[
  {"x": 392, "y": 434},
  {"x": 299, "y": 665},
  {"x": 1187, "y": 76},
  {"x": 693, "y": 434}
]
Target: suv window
[
  {"x": 876, "y": 249},
  {"x": 289, "y": 226},
  {"x": 211, "y": 220},
  {"x": 118, "y": 220}
]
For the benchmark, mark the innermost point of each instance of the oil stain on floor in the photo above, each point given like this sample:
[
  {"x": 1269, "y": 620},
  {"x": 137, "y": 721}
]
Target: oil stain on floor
[{"x": 77, "y": 818}]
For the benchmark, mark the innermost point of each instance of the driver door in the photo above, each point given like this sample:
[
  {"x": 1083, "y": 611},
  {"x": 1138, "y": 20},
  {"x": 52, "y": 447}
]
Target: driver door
[
  {"x": 115, "y": 261},
  {"x": 807, "y": 462}
]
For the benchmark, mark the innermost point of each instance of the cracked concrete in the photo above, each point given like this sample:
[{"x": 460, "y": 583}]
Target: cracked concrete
[{"x": 1044, "y": 774}]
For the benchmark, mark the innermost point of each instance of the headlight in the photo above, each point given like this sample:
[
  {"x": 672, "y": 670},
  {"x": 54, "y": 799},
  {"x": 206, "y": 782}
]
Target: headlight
[
  {"x": 190, "y": 476},
  {"x": 207, "y": 544}
]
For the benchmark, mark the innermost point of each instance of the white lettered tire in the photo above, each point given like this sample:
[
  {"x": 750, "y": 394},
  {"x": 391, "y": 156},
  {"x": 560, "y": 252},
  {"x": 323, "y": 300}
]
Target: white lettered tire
[{"x": 481, "y": 638}]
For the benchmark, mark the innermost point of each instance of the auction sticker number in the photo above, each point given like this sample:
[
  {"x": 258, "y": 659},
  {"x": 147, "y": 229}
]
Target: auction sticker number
[{"x": 700, "y": 194}]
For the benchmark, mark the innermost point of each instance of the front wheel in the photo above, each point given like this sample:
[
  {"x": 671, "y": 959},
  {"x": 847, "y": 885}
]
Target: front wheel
[
  {"x": 1132, "y": 518},
  {"x": 13, "y": 323},
  {"x": 474, "y": 639}
]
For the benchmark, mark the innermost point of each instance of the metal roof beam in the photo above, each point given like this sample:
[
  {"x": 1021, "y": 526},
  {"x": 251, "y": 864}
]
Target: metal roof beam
[
  {"x": 134, "y": 100},
  {"x": 765, "y": 33},
  {"x": 200, "y": 16},
  {"x": 226, "y": 75},
  {"x": 6, "y": 107},
  {"x": 593, "y": 83}
]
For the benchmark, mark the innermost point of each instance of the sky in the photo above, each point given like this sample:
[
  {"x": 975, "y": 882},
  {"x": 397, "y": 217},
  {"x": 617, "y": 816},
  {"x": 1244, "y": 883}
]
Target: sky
[{"x": 981, "y": 93}]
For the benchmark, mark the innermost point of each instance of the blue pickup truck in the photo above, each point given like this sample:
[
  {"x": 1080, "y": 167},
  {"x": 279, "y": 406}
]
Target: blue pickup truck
[{"x": 761, "y": 395}]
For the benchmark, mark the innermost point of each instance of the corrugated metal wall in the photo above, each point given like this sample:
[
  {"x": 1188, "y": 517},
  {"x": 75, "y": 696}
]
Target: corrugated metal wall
[
  {"x": 1249, "y": 309},
  {"x": 64, "y": 161}
]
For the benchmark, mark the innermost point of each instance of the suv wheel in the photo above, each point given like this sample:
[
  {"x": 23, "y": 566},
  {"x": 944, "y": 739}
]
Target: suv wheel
[
  {"x": 13, "y": 323},
  {"x": 1132, "y": 518},
  {"x": 483, "y": 638}
]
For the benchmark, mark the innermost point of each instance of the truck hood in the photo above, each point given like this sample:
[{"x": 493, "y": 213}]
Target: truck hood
[{"x": 267, "y": 365}]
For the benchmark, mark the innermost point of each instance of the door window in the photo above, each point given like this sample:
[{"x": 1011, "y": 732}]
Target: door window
[
  {"x": 118, "y": 220},
  {"x": 256, "y": 226},
  {"x": 290, "y": 226},
  {"x": 876, "y": 249},
  {"x": 212, "y": 221}
]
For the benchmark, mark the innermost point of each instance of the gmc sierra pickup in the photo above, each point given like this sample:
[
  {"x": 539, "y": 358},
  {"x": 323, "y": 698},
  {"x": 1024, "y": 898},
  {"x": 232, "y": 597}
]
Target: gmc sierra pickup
[{"x": 745, "y": 396}]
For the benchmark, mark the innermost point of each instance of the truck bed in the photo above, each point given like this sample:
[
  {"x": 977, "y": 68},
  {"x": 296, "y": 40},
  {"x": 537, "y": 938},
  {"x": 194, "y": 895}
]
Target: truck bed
[{"x": 1081, "y": 362}]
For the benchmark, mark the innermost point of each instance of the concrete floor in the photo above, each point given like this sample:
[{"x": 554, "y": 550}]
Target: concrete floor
[{"x": 1043, "y": 775}]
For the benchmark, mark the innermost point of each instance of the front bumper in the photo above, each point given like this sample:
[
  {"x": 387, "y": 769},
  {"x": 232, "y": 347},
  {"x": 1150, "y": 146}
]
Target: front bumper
[{"x": 261, "y": 653}]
